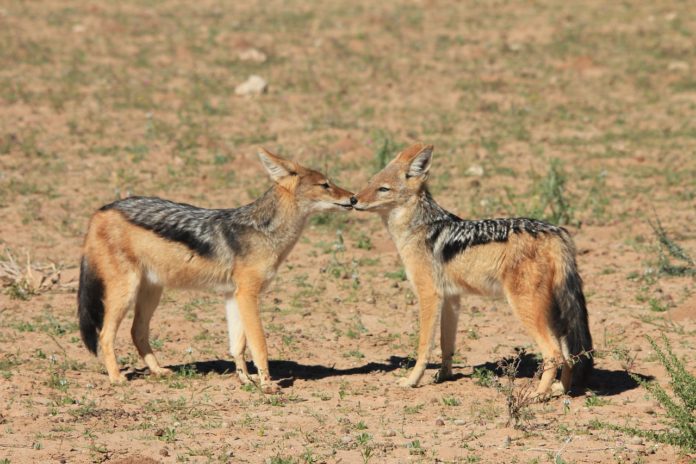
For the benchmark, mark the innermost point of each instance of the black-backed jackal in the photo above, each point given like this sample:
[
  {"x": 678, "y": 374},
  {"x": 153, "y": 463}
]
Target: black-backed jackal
[
  {"x": 530, "y": 262},
  {"x": 136, "y": 246}
]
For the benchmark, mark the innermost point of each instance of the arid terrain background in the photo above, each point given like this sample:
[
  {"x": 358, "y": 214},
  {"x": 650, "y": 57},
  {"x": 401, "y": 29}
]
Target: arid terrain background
[{"x": 578, "y": 112}]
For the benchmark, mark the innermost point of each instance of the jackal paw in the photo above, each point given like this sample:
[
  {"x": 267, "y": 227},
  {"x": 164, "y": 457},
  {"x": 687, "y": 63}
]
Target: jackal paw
[
  {"x": 161, "y": 372},
  {"x": 245, "y": 378},
  {"x": 442, "y": 375},
  {"x": 557, "y": 389},
  {"x": 407, "y": 383},
  {"x": 119, "y": 379},
  {"x": 270, "y": 388}
]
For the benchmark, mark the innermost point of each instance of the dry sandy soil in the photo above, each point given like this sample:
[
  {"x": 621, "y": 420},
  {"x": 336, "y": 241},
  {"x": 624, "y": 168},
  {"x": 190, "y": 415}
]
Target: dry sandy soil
[{"x": 102, "y": 99}]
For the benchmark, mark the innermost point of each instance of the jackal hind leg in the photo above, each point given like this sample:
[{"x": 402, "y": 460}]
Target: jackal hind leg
[
  {"x": 145, "y": 305},
  {"x": 535, "y": 313},
  {"x": 120, "y": 295},
  {"x": 448, "y": 335}
]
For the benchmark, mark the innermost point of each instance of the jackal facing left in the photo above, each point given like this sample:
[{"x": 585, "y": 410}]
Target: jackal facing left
[
  {"x": 530, "y": 262},
  {"x": 136, "y": 246}
]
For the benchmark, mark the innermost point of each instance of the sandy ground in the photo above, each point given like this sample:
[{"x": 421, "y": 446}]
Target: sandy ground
[{"x": 101, "y": 100}]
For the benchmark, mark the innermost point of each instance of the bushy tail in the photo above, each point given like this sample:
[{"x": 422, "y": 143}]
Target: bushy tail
[
  {"x": 573, "y": 326},
  {"x": 90, "y": 305}
]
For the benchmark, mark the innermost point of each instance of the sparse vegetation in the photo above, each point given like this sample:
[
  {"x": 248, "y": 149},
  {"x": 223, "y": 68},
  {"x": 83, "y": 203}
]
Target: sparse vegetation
[
  {"x": 680, "y": 408},
  {"x": 518, "y": 396},
  {"x": 668, "y": 248},
  {"x": 577, "y": 114}
]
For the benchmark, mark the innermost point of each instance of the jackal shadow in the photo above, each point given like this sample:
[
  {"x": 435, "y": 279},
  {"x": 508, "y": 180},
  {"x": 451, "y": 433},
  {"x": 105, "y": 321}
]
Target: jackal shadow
[
  {"x": 602, "y": 382},
  {"x": 285, "y": 372}
]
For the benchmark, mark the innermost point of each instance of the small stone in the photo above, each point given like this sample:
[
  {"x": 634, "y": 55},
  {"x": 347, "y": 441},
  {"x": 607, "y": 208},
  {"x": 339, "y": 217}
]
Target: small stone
[
  {"x": 475, "y": 170},
  {"x": 345, "y": 439},
  {"x": 393, "y": 306},
  {"x": 459, "y": 422},
  {"x": 159, "y": 432},
  {"x": 164, "y": 452},
  {"x": 255, "y": 85},
  {"x": 636, "y": 441},
  {"x": 648, "y": 410},
  {"x": 370, "y": 300},
  {"x": 390, "y": 433},
  {"x": 439, "y": 421},
  {"x": 507, "y": 441},
  {"x": 252, "y": 54}
]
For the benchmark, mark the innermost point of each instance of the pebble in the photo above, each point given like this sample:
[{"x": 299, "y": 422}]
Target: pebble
[
  {"x": 439, "y": 421},
  {"x": 371, "y": 300},
  {"x": 159, "y": 432},
  {"x": 389, "y": 433},
  {"x": 507, "y": 441},
  {"x": 252, "y": 54},
  {"x": 459, "y": 422},
  {"x": 345, "y": 439},
  {"x": 475, "y": 170},
  {"x": 636, "y": 441},
  {"x": 164, "y": 452},
  {"x": 680, "y": 66},
  {"x": 255, "y": 85}
]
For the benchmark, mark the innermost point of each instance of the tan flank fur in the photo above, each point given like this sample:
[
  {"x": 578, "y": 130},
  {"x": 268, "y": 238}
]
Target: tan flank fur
[
  {"x": 137, "y": 246},
  {"x": 530, "y": 263}
]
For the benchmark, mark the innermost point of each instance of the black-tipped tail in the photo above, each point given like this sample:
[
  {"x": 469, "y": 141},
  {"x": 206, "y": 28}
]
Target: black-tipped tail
[
  {"x": 574, "y": 327},
  {"x": 90, "y": 305}
]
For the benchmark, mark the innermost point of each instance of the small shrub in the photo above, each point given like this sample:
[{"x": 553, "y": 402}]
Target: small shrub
[
  {"x": 680, "y": 421},
  {"x": 674, "y": 250},
  {"x": 517, "y": 398}
]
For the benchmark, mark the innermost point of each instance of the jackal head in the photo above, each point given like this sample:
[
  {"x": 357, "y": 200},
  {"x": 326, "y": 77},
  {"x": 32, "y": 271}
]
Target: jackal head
[
  {"x": 311, "y": 190},
  {"x": 400, "y": 180}
]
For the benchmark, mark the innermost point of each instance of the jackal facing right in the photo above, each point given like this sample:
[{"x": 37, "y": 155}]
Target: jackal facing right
[{"x": 530, "y": 262}]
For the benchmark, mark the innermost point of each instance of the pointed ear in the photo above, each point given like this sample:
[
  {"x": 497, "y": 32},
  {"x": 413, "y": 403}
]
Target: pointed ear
[
  {"x": 420, "y": 165},
  {"x": 276, "y": 166}
]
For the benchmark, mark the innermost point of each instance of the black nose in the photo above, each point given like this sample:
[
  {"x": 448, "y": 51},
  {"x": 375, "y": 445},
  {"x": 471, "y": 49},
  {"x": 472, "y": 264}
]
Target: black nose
[{"x": 353, "y": 200}]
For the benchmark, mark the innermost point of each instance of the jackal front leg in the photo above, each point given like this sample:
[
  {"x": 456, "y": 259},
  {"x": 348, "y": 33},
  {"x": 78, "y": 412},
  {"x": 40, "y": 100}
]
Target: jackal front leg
[
  {"x": 247, "y": 296},
  {"x": 235, "y": 330},
  {"x": 430, "y": 307},
  {"x": 448, "y": 335}
]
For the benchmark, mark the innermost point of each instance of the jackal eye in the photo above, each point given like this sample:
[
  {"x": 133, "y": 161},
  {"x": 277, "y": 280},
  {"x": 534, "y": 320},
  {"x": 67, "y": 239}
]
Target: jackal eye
[
  {"x": 324, "y": 185},
  {"x": 384, "y": 189}
]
